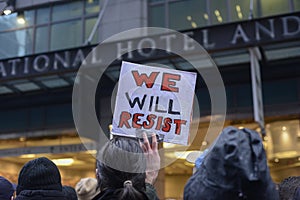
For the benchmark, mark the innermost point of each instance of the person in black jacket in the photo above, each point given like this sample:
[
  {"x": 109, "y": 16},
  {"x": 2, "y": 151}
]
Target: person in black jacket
[
  {"x": 39, "y": 179},
  {"x": 123, "y": 168},
  {"x": 234, "y": 168}
]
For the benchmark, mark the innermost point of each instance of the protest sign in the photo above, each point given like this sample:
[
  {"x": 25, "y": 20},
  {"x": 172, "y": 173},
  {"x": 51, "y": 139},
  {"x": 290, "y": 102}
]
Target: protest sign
[{"x": 156, "y": 100}]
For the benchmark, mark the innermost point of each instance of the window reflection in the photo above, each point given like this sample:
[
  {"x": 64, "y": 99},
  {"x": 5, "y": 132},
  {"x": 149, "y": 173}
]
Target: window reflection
[
  {"x": 9, "y": 22},
  {"x": 16, "y": 43},
  {"x": 89, "y": 25},
  {"x": 192, "y": 16},
  {"x": 276, "y": 7},
  {"x": 186, "y": 14},
  {"x": 19, "y": 40},
  {"x": 157, "y": 16},
  {"x": 297, "y": 5},
  {"x": 73, "y": 31},
  {"x": 43, "y": 15},
  {"x": 240, "y": 10},
  {"x": 41, "y": 37},
  {"x": 92, "y": 6},
  {"x": 67, "y": 11},
  {"x": 218, "y": 11}
]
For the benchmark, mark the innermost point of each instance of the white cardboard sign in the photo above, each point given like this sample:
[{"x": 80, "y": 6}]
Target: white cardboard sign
[{"x": 156, "y": 100}]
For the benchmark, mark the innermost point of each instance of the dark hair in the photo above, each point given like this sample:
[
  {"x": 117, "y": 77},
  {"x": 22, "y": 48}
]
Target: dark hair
[
  {"x": 288, "y": 187},
  {"x": 121, "y": 167}
]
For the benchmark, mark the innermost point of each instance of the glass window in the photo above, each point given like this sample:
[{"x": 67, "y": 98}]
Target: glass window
[
  {"x": 89, "y": 25},
  {"x": 240, "y": 10},
  {"x": 16, "y": 43},
  {"x": 192, "y": 16},
  {"x": 8, "y": 40},
  {"x": 157, "y": 16},
  {"x": 8, "y": 22},
  {"x": 218, "y": 11},
  {"x": 297, "y": 5},
  {"x": 43, "y": 15},
  {"x": 41, "y": 39},
  {"x": 29, "y": 17},
  {"x": 73, "y": 31},
  {"x": 67, "y": 11},
  {"x": 92, "y": 6},
  {"x": 276, "y": 7},
  {"x": 24, "y": 41}
]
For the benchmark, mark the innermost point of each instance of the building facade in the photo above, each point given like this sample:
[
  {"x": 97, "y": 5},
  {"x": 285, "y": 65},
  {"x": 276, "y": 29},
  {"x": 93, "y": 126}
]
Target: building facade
[{"x": 43, "y": 44}]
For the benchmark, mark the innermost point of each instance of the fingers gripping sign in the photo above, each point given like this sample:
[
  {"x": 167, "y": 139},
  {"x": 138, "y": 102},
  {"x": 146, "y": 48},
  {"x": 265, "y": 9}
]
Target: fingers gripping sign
[{"x": 152, "y": 158}]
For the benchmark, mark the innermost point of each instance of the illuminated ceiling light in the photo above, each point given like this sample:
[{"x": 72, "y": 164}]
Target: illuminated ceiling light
[
  {"x": 90, "y": 1},
  {"x": 299, "y": 159},
  {"x": 241, "y": 127},
  {"x": 182, "y": 154},
  {"x": 92, "y": 152},
  {"x": 21, "y": 18},
  {"x": 217, "y": 13},
  {"x": 265, "y": 138},
  {"x": 188, "y": 164},
  {"x": 240, "y": 15},
  {"x": 63, "y": 161},
  {"x": 204, "y": 143},
  {"x": 7, "y": 11},
  {"x": 189, "y": 18},
  {"x": 276, "y": 160},
  {"x": 286, "y": 154},
  {"x": 238, "y": 8},
  {"x": 205, "y": 16},
  {"x": 284, "y": 128},
  {"x": 194, "y": 25},
  {"x": 110, "y": 127},
  {"x": 220, "y": 19},
  {"x": 22, "y": 139},
  {"x": 28, "y": 156},
  {"x": 168, "y": 145}
]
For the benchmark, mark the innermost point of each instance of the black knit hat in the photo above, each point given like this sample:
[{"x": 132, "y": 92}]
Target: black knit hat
[
  {"x": 6, "y": 189},
  {"x": 39, "y": 174}
]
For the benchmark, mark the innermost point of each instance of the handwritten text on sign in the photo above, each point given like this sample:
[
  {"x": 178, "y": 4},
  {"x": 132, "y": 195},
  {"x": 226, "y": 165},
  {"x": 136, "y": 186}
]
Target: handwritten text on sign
[{"x": 154, "y": 99}]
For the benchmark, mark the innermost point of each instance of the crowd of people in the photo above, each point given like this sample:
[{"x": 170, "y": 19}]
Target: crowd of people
[{"x": 233, "y": 168}]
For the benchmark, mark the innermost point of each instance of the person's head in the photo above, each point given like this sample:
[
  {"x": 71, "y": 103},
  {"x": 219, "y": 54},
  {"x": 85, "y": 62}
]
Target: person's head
[
  {"x": 87, "y": 188},
  {"x": 6, "y": 189},
  {"x": 69, "y": 192},
  {"x": 288, "y": 187},
  {"x": 39, "y": 174},
  {"x": 235, "y": 167},
  {"x": 121, "y": 167}
]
